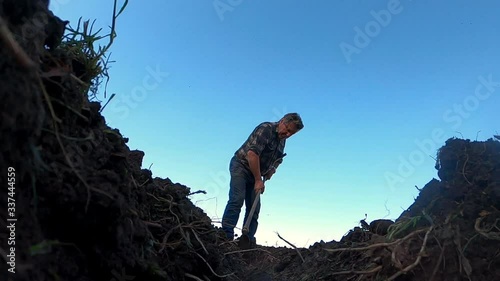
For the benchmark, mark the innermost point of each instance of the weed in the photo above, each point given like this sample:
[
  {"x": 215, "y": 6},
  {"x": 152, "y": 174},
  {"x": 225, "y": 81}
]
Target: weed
[{"x": 93, "y": 59}]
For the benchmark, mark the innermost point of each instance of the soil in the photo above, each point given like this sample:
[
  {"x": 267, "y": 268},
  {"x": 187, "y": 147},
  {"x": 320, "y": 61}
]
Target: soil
[{"x": 87, "y": 210}]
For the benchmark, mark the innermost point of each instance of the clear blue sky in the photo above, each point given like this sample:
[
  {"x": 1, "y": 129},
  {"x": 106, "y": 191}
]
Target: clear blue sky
[{"x": 380, "y": 86}]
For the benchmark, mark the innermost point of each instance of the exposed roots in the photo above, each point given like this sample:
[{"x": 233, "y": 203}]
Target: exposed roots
[
  {"x": 396, "y": 262},
  {"x": 55, "y": 121},
  {"x": 247, "y": 250},
  {"x": 365, "y": 272},
  {"x": 297, "y": 250},
  {"x": 193, "y": 277},
  {"x": 14, "y": 48},
  {"x": 399, "y": 241},
  {"x": 487, "y": 231},
  {"x": 211, "y": 269},
  {"x": 417, "y": 260}
]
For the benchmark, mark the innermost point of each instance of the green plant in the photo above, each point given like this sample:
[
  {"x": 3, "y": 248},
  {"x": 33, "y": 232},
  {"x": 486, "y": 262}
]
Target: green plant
[
  {"x": 400, "y": 227},
  {"x": 405, "y": 225},
  {"x": 80, "y": 43},
  {"x": 45, "y": 247}
]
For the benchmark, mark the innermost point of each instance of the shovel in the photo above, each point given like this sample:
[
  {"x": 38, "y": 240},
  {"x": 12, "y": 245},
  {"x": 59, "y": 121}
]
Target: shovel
[{"x": 244, "y": 242}]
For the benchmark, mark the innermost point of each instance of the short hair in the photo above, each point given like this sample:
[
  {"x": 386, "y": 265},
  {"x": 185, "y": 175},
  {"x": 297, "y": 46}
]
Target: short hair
[{"x": 293, "y": 118}]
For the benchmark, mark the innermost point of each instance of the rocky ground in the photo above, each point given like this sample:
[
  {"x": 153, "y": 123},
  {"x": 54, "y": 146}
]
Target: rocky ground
[{"x": 87, "y": 210}]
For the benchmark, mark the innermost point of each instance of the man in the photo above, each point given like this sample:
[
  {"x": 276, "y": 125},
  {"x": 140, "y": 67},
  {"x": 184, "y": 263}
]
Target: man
[{"x": 258, "y": 157}]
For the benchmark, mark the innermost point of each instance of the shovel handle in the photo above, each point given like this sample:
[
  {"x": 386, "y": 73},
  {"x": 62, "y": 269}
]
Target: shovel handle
[
  {"x": 254, "y": 205},
  {"x": 252, "y": 210}
]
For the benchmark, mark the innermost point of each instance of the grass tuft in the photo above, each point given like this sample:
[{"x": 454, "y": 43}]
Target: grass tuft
[{"x": 90, "y": 57}]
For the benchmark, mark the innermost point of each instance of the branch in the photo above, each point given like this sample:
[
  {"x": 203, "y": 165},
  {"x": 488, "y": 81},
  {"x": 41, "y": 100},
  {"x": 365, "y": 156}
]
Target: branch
[
  {"x": 192, "y": 277},
  {"x": 213, "y": 272},
  {"x": 419, "y": 257},
  {"x": 379, "y": 244},
  {"x": 199, "y": 240},
  {"x": 486, "y": 232},
  {"x": 292, "y": 246},
  {"x": 371, "y": 271},
  {"x": 148, "y": 223},
  {"x": 247, "y": 250},
  {"x": 197, "y": 192},
  {"x": 13, "y": 47}
]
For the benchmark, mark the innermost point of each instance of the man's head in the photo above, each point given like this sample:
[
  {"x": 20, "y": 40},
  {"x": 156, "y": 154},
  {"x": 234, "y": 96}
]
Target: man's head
[{"x": 289, "y": 124}]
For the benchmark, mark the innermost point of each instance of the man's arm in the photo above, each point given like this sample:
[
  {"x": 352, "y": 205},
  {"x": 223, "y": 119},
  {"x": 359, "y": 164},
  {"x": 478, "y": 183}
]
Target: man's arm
[
  {"x": 254, "y": 164},
  {"x": 261, "y": 136},
  {"x": 274, "y": 167}
]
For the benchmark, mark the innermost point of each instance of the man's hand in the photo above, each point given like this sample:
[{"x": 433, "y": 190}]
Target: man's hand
[
  {"x": 259, "y": 186},
  {"x": 270, "y": 173}
]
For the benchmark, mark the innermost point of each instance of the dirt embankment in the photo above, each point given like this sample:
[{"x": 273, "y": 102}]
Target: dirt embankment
[{"x": 86, "y": 210}]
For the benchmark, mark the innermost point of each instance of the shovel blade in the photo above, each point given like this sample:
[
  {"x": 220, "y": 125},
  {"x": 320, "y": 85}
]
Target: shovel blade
[{"x": 244, "y": 242}]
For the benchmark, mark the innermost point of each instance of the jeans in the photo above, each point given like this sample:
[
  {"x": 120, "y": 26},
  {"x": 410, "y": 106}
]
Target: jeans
[{"x": 241, "y": 189}]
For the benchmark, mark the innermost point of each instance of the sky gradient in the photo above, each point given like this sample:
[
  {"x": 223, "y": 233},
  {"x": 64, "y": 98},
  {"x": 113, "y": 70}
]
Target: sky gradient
[{"x": 380, "y": 86}]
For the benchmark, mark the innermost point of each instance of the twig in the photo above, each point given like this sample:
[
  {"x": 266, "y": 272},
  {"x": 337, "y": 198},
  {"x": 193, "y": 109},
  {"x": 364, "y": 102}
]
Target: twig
[
  {"x": 192, "y": 276},
  {"x": 78, "y": 80},
  {"x": 70, "y": 109},
  {"x": 468, "y": 242},
  {"x": 441, "y": 247},
  {"x": 379, "y": 244},
  {"x": 197, "y": 192},
  {"x": 419, "y": 257},
  {"x": 463, "y": 261},
  {"x": 142, "y": 184},
  {"x": 213, "y": 272},
  {"x": 292, "y": 246},
  {"x": 199, "y": 240},
  {"x": 179, "y": 226},
  {"x": 68, "y": 160},
  {"x": 247, "y": 250},
  {"x": 136, "y": 186},
  {"x": 387, "y": 209},
  {"x": 371, "y": 271},
  {"x": 463, "y": 168},
  {"x": 394, "y": 259},
  {"x": 104, "y": 106},
  {"x": 486, "y": 232},
  {"x": 438, "y": 263},
  {"x": 13, "y": 47},
  {"x": 493, "y": 259},
  {"x": 153, "y": 224},
  {"x": 90, "y": 137}
]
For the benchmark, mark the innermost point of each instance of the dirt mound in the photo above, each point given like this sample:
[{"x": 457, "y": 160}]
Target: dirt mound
[
  {"x": 450, "y": 232},
  {"x": 85, "y": 209}
]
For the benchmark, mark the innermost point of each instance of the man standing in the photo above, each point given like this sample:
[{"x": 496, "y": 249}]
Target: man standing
[{"x": 258, "y": 157}]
